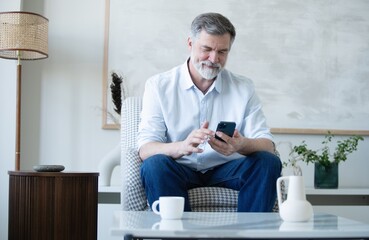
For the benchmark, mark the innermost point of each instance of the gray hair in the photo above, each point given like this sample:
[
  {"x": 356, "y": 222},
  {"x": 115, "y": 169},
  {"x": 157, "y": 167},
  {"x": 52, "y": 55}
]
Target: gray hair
[{"x": 212, "y": 23}]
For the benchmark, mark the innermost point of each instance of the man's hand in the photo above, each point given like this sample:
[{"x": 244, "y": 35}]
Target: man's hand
[
  {"x": 178, "y": 149},
  {"x": 230, "y": 144},
  {"x": 240, "y": 144},
  {"x": 195, "y": 138}
]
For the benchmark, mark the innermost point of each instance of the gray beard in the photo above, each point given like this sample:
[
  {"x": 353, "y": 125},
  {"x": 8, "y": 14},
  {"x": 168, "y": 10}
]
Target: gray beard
[{"x": 207, "y": 73}]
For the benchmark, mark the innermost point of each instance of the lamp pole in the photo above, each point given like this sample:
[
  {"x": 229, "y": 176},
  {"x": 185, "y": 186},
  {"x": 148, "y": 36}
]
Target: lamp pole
[{"x": 18, "y": 114}]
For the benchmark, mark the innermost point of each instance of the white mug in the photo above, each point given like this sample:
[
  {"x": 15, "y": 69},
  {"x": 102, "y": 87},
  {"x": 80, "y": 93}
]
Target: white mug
[{"x": 170, "y": 207}]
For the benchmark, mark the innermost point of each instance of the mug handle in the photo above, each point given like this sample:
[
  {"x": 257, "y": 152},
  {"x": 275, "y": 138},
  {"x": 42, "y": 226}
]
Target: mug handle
[{"x": 155, "y": 207}]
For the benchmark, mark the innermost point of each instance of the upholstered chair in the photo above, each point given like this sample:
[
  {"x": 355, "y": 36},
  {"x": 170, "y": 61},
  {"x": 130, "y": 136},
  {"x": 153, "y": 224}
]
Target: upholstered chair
[{"x": 133, "y": 198}]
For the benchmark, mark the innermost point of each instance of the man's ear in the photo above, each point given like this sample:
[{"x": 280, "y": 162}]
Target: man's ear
[{"x": 189, "y": 43}]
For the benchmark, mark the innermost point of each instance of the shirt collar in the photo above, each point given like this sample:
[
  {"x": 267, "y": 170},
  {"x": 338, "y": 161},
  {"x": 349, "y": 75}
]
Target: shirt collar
[{"x": 186, "y": 82}]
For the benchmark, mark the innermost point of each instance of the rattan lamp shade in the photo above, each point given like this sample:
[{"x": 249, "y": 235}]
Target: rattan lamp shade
[{"x": 23, "y": 33}]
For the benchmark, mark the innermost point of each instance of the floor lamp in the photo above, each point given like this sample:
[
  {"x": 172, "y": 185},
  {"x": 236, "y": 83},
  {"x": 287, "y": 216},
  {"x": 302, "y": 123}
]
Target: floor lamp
[{"x": 23, "y": 36}]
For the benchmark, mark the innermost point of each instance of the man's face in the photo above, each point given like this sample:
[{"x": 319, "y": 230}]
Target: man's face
[{"x": 209, "y": 53}]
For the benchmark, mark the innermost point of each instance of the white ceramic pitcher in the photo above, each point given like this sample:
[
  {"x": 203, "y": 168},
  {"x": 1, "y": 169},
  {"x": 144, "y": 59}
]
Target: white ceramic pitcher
[{"x": 296, "y": 208}]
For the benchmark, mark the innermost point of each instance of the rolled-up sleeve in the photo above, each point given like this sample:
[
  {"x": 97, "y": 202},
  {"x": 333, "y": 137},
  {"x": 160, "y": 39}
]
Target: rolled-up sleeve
[
  {"x": 255, "y": 121},
  {"x": 152, "y": 127}
]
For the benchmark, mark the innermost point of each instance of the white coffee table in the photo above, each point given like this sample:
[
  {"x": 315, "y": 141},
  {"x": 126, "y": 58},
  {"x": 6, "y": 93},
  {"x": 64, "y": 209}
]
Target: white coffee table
[{"x": 198, "y": 225}]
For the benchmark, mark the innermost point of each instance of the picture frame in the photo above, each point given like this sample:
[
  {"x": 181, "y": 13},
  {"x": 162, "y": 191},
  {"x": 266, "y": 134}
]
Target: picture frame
[
  {"x": 110, "y": 119},
  {"x": 304, "y": 116}
]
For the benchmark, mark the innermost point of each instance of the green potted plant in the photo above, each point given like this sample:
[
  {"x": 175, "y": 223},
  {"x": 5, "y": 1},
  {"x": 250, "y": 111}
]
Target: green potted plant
[{"x": 326, "y": 162}]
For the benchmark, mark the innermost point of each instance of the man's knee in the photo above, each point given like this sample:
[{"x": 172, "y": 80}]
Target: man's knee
[
  {"x": 155, "y": 164},
  {"x": 268, "y": 161}
]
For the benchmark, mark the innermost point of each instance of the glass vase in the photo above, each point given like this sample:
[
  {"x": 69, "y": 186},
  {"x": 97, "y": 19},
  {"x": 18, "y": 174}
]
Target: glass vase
[{"x": 326, "y": 176}]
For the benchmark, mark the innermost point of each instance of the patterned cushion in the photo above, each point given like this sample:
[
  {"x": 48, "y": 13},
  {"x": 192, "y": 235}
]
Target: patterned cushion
[{"x": 207, "y": 199}]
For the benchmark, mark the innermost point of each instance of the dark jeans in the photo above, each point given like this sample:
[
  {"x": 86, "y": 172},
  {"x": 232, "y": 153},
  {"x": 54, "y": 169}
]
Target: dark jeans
[{"x": 253, "y": 176}]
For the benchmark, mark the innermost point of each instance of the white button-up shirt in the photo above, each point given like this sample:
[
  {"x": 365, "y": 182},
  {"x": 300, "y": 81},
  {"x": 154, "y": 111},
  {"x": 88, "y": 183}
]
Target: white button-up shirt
[{"x": 173, "y": 107}]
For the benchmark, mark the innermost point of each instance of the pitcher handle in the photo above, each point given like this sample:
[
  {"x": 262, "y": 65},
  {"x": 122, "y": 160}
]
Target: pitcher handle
[{"x": 279, "y": 194}]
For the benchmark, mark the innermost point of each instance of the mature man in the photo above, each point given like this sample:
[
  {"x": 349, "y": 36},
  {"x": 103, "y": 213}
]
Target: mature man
[{"x": 181, "y": 109}]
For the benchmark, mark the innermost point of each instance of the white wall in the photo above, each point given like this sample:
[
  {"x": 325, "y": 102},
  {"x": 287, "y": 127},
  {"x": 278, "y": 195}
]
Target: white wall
[
  {"x": 8, "y": 76},
  {"x": 63, "y": 94}
]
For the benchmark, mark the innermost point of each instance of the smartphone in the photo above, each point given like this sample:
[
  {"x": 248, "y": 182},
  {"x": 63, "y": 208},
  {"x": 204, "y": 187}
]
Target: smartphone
[{"x": 227, "y": 128}]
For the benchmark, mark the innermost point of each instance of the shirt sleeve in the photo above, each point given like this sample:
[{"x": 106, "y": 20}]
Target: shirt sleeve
[
  {"x": 255, "y": 121},
  {"x": 152, "y": 126}
]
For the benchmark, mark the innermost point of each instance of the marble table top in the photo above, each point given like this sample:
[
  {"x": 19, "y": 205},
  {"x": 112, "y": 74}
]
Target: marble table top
[{"x": 235, "y": 225}]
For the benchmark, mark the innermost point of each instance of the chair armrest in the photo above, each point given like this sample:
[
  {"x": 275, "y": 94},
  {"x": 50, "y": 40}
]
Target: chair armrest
[{"x": 133, "y": 197}]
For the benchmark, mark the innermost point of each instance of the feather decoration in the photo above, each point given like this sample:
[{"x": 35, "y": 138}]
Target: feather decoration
[{"x": 117, "y": 91}]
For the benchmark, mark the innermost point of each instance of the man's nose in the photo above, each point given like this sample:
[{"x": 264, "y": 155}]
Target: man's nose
[{"x": 214, "y": 57}]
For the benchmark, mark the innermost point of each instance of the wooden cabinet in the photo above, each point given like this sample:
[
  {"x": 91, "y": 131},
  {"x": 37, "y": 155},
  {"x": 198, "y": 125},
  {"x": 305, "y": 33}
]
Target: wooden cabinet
[{"x": 49, "y": 205}]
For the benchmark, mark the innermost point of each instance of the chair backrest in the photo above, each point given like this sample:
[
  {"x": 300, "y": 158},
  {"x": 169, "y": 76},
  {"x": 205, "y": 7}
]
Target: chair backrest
[{"x": 130, "y": 119}]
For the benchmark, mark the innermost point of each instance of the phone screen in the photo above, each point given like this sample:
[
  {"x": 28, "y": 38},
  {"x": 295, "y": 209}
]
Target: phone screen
[{"x": 225, "y": 127}]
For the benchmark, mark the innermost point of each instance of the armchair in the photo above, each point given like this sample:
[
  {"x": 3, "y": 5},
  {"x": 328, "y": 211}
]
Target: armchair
[{"x": 133, "y": 198}]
